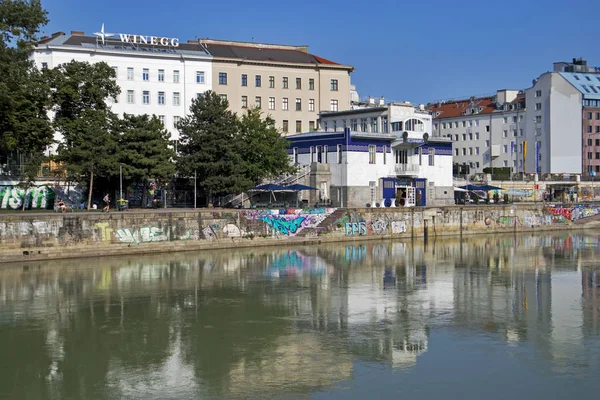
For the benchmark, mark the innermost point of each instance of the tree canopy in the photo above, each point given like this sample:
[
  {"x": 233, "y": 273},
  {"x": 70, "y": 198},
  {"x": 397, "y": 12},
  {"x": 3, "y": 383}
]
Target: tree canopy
[{"x": 24, "y": 93}]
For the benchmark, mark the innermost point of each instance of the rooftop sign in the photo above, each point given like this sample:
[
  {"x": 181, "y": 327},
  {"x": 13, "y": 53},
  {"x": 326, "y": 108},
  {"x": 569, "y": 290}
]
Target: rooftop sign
[{"x": 139, "y": 39}]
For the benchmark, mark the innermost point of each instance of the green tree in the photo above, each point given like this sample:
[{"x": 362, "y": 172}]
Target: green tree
[
  {"x": 209, "y": 147},
  {"x": 262, "y": 147},
  {"x": 144, "y": 150},
  {"x": 24, "y": 93},
  {"x": 82, "y": 116}
]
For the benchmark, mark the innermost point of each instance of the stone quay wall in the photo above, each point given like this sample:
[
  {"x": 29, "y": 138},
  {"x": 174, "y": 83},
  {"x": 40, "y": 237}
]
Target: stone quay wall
[{"x": 31, "y": 236}]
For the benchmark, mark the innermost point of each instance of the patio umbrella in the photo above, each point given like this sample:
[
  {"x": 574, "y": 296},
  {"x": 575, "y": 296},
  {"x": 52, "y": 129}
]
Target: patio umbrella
[
  {"x": 485, "y": 188},
  {"x": 297, "y": 187},
  {"x": 270, "y": 187}
]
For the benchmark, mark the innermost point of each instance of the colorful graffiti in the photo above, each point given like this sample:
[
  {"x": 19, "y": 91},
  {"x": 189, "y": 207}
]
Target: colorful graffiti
[
  {"x": 291, "y": 221},
  {"x": 38, "y": 197},
  {"x": 398, "y": 227},
  {"x": 576, "y": 212},
  {"x": 356, "y": 229},
  {"x": 286, "y": 225},
  {"x": 143, "y": 235}
]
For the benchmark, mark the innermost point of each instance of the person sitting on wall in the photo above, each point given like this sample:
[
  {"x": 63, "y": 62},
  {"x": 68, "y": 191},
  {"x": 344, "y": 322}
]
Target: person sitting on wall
[{"x": 61, "y": 205}]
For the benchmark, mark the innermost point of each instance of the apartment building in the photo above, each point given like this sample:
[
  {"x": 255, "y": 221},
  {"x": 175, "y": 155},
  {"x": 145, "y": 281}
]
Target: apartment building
[
  {"x": 287, "y": 82},
  {"x": 486, "y": 132},
  {"x": 157, "y": 75}
]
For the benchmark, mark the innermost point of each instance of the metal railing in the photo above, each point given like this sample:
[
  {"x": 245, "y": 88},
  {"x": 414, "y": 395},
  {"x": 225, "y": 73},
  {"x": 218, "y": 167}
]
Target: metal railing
[{"x": 412, "y": 169}]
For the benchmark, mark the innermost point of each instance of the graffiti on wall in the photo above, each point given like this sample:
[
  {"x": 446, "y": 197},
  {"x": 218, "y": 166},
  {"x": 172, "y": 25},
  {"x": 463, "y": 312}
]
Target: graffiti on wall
[
  {"x": 38, "y": 197},
  {"x": 576, "y": 212},
  {"x": 145, "y": 234},
  {"x": 291, "y": 221},
  {"x": 356, "y": 229}
]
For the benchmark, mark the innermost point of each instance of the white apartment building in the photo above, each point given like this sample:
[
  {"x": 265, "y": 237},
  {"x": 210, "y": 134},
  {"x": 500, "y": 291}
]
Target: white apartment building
[
  {"x": 487, "y": 132},
  {"x": 157, "y": 75}
]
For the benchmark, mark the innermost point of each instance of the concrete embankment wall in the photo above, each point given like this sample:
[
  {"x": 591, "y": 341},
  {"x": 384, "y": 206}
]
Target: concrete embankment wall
[{"x": 50, "y": 236}]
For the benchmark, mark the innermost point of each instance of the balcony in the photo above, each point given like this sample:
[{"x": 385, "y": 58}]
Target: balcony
[{"x": 407, "y": 169}]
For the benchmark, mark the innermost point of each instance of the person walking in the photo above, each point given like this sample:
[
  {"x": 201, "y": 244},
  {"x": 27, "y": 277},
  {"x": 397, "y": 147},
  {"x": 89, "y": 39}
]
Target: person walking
[{"x": 106, "y": 201}]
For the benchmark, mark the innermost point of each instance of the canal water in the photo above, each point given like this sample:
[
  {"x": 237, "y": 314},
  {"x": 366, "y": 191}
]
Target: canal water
[{"x": 492, "y": 317}]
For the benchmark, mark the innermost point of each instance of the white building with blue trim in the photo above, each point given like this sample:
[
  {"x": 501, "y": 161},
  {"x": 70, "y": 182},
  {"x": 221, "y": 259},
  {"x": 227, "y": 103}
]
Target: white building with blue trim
[{"x": 383, "y": 155}]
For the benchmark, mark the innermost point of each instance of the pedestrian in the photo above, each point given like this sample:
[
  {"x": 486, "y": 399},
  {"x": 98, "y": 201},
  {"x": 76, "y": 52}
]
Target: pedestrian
[{"x": 106, "y": 201}]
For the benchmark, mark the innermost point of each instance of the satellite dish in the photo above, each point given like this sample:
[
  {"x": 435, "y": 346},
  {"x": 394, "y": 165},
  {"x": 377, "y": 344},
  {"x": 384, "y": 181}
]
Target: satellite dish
[
  {"x": 426, "y": 136},
  {"x": 404, "y": 135}
]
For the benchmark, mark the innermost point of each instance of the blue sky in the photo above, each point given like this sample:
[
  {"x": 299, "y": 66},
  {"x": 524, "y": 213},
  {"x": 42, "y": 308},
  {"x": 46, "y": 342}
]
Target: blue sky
[{"x": 404, "y": 50}]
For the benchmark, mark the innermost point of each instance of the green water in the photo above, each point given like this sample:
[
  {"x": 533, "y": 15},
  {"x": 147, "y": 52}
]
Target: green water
[{"x": 488, "y": 317}]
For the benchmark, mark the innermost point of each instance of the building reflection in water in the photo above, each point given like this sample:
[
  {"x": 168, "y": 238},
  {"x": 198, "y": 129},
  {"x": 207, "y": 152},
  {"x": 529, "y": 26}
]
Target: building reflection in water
[{"x": 237, "y": 323}]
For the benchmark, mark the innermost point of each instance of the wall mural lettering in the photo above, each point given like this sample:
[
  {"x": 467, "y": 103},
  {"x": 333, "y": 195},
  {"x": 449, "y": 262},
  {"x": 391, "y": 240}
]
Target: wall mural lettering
[
  {"x": 37, "y": 197},
  {"x": 284, "y": 224},
  {"x": 356, "y": 228},
  {"x": 576, "y": 212}
]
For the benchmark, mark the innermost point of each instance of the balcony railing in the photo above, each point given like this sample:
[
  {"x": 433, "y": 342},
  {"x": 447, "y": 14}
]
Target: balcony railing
[{"x": 407, "y": 169}]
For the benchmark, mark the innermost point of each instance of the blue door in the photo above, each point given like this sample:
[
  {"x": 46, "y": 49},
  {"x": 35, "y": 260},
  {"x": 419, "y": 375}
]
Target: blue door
[{"x": 420, "y": 192}]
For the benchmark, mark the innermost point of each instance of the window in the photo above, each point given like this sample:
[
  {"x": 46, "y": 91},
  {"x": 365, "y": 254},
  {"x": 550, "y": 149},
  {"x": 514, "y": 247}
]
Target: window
[
  {"x": 464, "y": 151},
  {"x": 176, "y": 121},
  {"x": 456, "y": 124},
  {"x": 161, "y": 75},
  {"x": 589, "y": 142},
  {"x": 257, "y": 102},
  {"x": 464, "y": 136},
  {"x": 477, "y": 151},
  {"x": 325, "y": 126},
  {"x": 298, "y": 126},
  {"x": 44, "y": 65},
  {"x": 145, "y": 97},
  {"x": 504, "y": 133},
  {"x": 298, "y": 83},
  {"x": 244, "y": 80},
  {"x": 505, "y": 163},
  {"x": 384, "y": 124},
  {"x": 298, "y": 104},
  {"x": 514, "y": 119},
  {"x": 521, "y": 132},
  {"x": 456, "y": 151},
  {"x": 597, "y": 156},
  {"x": 244, "y": 101},
  {"x": 372, "y": 153},
  {"x": 597, "y": 142},
  {"x": 354, "y": 124},
  {"x": 176, "y": 76},
  {"x": 589, "y": 155},
  {"x": 589, "y": 129},
  {"x": 271, "y": 82},
  {"x": 257, "y": 80},
  {"x": 505, "y": 120},
  {"x": 431, "y": 152},
  {"x": 374, "y": 125},
  {"x": 464, "y": 124},
  {"x": 334, "y": 85},
  {"x": 470, "y": 136},
  {"x": 597, "y": 129},
  {"x": 176, "y": 99},
  {"x": 311, "y": 84},
  {"x": 130, "y": 97},
  {"x": 487, "y": 143},
  {"x": 285, "y": 82},
  {"x": 284, "y": 104},
  {"x": 311, "y": 126},
  {"x": 146, "y": 74},
  {"x": 476, "y": 135},
  {"x": 129, "y": 73},
  {"x": 505, "y": 148},
  {"x": 487, "y": 128},
  {"x": 271, "y": 103},
  {"x": 538, "y": 106},
  {"x": 223, "y": 97},
  {"x": 455, "y": 137},
  {"x": 161, "y": 118},
  {"x": 222, "y": 78},
  {"x": 538, "y": 93},
  {"x": 444, "y": 125},
  {"x": 161, "y": 98},
  {"x": 339, "y": 153},
  {"x": 364, "y": 125},
  {"x": 470, "y": 151},
  {"x": 514, "y": 133},
  {"x": 538, "y": 118},
  {"x": 334, "y": 105},
  {"x": 285, "y": 126},
  {"x": 589, "y": 115},
  {"x": 311, "y": 105}
]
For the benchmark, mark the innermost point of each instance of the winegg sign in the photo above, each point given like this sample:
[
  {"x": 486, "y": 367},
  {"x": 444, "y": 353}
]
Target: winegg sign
[{"x": 138, "y": 39}]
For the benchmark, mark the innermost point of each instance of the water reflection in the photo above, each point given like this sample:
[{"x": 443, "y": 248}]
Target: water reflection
[{"x": 289, "y": 321}]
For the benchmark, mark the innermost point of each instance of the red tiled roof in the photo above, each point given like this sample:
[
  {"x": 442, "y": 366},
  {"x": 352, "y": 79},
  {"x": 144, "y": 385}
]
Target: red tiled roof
[
  {"x": 458, "y": 108},
  {"x": 324, "y": 60}
]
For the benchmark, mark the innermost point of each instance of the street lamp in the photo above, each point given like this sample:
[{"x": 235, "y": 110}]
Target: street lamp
[{"x": 120, "y": 181}]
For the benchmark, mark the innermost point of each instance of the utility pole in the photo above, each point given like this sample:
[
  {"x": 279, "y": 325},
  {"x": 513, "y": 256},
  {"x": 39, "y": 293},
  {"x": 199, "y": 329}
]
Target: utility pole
[{"x": 194, "y": 189}]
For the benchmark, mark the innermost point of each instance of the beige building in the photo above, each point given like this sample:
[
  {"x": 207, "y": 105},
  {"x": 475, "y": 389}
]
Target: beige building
[{"x": 287, "y": 82}]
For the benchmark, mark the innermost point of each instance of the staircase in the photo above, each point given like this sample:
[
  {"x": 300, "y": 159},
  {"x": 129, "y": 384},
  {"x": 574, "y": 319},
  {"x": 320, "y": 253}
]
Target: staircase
[
  {"x": 284, "y": 180},
  {"x": 325, "y": 226}
]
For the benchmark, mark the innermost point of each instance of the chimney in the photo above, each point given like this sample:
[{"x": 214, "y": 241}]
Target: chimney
[
  {"x": 371, "y": 100},
  {"x": 382, "y": 101},
  {"x": 77, "y": 33}
]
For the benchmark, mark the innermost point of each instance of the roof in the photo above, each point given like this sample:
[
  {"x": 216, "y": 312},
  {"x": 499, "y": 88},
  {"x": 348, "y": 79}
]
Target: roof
[
  {"x": 115, "y": 44},
  {"x": 587, "y": 84},
  {"x": 255, "y": 52},
  {"x": 459, "y": 108}
]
